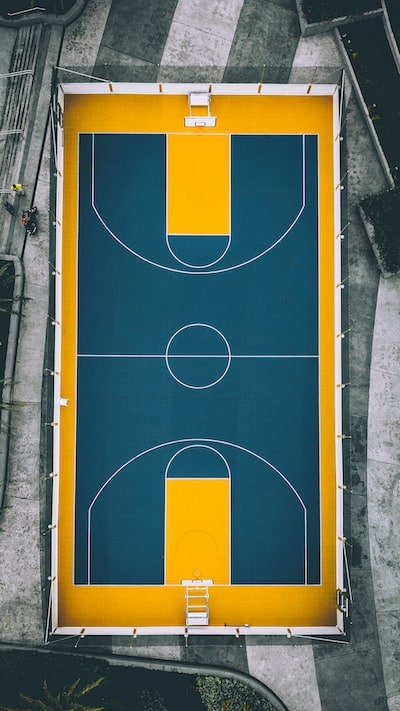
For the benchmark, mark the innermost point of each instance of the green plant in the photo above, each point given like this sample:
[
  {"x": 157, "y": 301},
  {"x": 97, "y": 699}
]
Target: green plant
[
  {"x": 383, "y": 211},
  {"x": 69, "y": 699},
  {"x": 5, "y": 275},
  {"x": 7, "y": 309},
  {"x": 229, "y": 695}
]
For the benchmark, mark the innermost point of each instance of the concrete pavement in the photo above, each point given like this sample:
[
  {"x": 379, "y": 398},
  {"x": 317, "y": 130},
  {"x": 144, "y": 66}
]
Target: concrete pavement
[
  {"x": 384, "y": 480},
  {"x": 238, "y": 38}
]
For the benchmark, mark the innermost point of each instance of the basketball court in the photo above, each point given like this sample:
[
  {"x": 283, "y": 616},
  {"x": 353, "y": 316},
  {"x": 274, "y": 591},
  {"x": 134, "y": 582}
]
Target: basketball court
[{"x": 197, "y": 427}]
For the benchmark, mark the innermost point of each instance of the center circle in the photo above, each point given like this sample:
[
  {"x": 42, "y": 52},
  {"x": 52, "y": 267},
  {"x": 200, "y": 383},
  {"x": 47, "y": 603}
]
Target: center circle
[{"x": 198, "y": 356}]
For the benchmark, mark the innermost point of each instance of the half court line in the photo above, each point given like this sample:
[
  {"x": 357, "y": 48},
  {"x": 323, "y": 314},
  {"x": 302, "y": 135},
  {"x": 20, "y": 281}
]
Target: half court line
[{"x": 187, "y": 356}]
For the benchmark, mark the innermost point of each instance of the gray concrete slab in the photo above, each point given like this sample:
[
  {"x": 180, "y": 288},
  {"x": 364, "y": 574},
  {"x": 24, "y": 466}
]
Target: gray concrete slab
[
  {"x": 111, "y": 63},
  {"x": 345, "y": 675},
  {"x": 139, "y": 29},
  {"x": 386, "y": 344},
  {"x": 6, "y": 47},
  {"x": 289, "y": 672},
  {"x": 28, "y": 385},
  {"x": 394, "y": 703},
  {"x": 214, "y": 650},
  {"x": 384, "y": 522},
  {"x": 20, "y": 587},
  {"x": 200, "y": 39},
  {"x": 90, "y": 25},
  {"x": 265, "y": 42},
  {"x": 384, "y": 439},
  {"x": 317, "y": 60},
  {"x": 23, "y": 477},
  {"x": 8, "y": 35},
  {"x": 384, "y": 480},
  {"x": 217, "y": 17},
  {"x": 153, "y": 647},
  {"x": 195, "y": 48}
]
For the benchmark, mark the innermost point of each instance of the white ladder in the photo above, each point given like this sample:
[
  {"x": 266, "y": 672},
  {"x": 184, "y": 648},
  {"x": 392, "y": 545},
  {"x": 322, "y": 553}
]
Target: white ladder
[{"x": 197, "y": 609}]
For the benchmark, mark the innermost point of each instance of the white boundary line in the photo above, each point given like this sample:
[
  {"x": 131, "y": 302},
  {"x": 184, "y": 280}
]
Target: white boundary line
[
  {"x": 338, "y": 353},
  {"x": 189, "y": 355},
  {"x": 244, "y": 629},
  {"x": 53, "y": 599},
  {"x": 216, "y": 89}
]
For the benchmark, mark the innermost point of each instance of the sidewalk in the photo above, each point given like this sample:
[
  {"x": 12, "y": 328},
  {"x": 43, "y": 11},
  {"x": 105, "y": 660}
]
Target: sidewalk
[{"x": 384, "y": 479}]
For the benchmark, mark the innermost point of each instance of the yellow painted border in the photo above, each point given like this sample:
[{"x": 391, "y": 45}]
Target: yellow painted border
[{"x": 163, "y": 606}]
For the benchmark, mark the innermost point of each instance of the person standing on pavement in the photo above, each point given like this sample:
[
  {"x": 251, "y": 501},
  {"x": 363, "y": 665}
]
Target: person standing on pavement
[{"x": 18, "y": 188}]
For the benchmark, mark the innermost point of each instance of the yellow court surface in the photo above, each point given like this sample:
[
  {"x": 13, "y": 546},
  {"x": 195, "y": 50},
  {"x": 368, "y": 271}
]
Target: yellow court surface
[
  {"x": 197, "y": 536},
  {"x": 198, "y": 184},
  {"x": 197, "y": 533}
]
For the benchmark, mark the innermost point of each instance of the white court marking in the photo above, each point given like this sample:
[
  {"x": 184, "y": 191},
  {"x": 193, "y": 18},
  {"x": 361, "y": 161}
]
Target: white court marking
[
  {"x": 189, "y": 441},
  {"x": 229, "y": 477},
  {"x": 198, "y": 266},
  {"x": 186, "y": 271},
  {"x": 226, "y": 356},
  {"x": 166, "y": 357}
]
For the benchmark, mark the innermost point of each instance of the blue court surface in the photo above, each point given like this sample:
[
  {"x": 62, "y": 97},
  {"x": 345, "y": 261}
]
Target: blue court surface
[{"x": 198, "y": 357}]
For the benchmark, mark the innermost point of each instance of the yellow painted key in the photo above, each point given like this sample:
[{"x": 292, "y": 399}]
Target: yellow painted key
[
  {"x": 197, "y": 530},
  {"x": 198, "y": 184}
]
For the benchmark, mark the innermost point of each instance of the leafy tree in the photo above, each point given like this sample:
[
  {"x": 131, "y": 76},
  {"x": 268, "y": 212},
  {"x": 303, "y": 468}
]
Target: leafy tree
[
  {"x": 69, "y": 699},
  {"x": 219, "y": 694}
]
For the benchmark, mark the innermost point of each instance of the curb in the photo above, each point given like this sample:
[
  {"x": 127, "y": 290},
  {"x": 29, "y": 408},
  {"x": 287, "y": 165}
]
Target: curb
[
  {"x": 34, "y": 18},
  {"x": 13, "y": 332},
  {"x": 315, "y": 28}
]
